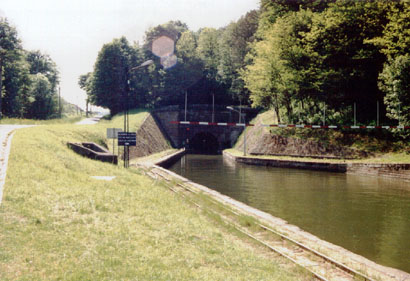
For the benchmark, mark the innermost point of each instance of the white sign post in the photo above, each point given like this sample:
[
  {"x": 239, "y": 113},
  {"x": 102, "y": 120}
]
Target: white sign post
[{"x": 112, "y": 133}]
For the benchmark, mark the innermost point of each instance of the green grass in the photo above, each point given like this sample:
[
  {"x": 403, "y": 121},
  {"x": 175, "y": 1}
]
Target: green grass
[
  {"x": 57, "y": 223},
  {"x": 18, "y": 121},
  {"x": 135, "y": 116}
]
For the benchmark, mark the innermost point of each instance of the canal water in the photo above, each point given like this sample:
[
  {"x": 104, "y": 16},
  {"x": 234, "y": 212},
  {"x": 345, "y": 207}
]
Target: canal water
[{"x": 369, "y": 216}]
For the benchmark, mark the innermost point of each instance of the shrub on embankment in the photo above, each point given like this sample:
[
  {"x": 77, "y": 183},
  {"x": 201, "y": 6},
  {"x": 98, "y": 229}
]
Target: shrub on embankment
[{"x": 58, "y": 223}]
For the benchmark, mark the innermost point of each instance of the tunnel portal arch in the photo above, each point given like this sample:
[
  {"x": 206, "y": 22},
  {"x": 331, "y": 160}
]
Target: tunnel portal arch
[{"x": 204, "y": 143}]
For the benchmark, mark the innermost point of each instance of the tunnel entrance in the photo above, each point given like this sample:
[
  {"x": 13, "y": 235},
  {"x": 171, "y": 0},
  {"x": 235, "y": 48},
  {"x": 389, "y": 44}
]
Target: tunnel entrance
[{"x": 204, "y": 143}]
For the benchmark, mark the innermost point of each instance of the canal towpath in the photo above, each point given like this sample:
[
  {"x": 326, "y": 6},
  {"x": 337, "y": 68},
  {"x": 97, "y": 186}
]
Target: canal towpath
[{"x": 6, "y": 134}]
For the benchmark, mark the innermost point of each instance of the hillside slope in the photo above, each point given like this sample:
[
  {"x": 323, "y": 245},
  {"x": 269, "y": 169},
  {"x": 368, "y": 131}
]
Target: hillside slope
[{"x": 264, "y": 141}]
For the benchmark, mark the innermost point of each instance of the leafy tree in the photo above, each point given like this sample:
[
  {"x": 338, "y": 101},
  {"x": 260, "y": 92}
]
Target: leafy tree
[
  {"x": 263, "y": 76},
  {"x": 85, "y": 83},
  {"x": 271, "y": 10},
  {"x": 395, "y": 40},
  {"x": 109, "y": 83},
  {"x": 234, "y": 46},
  {"x": 44, "y": 101},
  {"x": 171, "y": 29},
  {"x": 23, "y": 91},
  {"x": 186, "y": 45},
  {"x": 280, "y": 63},
  {"x": 17, "y": 86},
  {"x": 42, "y": 63},
  {"x": 207, "y": 51},
  {"x": 190, "y": 67},
  {"x": 395, "y": 82},
  {"x": 346, "y": 66},
  {"x": 10, "y": 50},
  {"x": 395, "y": 44}
]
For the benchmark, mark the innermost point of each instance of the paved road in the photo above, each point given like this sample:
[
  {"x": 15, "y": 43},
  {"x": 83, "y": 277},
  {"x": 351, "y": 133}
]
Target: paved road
[
  {"x": 6, "y": 134},
  {"x": 90, "y": 121}
]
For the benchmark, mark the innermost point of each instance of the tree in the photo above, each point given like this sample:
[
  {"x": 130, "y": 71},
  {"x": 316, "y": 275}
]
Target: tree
[
  {"x": 263, "y": 76},
  {"x": 85, "y": 83},
  {"x": 171, "y": 29},
  {"x": 279, "y": 64},
  {"x": 271, "y": 10},
  {"x": 207, "y": 51},
  {"x": 17, "y": 87},
  {"x": 395, "y": 40},
  {"x": 10, "y": 50},
  {"x": 42, "y": 63},
  {"x": 28, "y": 80},
  {"x": 235, "y": 44},
  {"x": 45, "y": 100},
  {"x": 191, "y": 68},
  {"x": 345, "y": 64},
  {"x": 395, "y": 83},
  {"x": 109, "y": 83}
]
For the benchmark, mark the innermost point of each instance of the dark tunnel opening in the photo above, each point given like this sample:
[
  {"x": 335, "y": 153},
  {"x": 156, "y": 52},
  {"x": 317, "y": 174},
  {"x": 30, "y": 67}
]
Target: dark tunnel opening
[{"x": 204, "y": 143}]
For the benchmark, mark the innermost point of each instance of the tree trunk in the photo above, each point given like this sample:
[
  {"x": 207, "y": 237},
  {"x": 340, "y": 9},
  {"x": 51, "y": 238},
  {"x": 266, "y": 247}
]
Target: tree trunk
[{"x": 277, "y": 108}]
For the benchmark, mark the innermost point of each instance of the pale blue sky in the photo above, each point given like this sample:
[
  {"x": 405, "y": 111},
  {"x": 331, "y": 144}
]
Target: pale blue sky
[{"x": 73, "y": 31}]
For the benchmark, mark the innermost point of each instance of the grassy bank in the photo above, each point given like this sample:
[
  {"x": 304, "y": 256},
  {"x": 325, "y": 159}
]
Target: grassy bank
[
  {"x": 19, "y": 121},
  {"x": 382, "y": 145},
  {"x": 58, "y": 223}
]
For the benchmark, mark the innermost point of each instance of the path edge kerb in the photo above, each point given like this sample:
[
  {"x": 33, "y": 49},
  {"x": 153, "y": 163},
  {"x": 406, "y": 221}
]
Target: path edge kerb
[
  {"x": 3, "y": 168},
  {"x": 336, "y": 252},
  {"x": 6, "y": 152}
]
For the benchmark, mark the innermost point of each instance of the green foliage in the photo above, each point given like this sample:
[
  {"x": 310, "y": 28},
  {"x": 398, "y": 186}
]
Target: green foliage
[
  {"x": 109, "y": 80},
  {"x": 28, "y": 79},
  {"x": 396, "y": 34},
  {"x": 313, "y": 55},
  {"x": 44, "y": 104},
  {"x": 171, "y": 29},
  {"x": 207, "y": 50},
  {"x": 280, "y": 64},
  {"x": 207, "y": 67},
  {"x": 299, "y": 58},
  {"x": 395, "y": 82},
  {"x": 234, "y": 46}
]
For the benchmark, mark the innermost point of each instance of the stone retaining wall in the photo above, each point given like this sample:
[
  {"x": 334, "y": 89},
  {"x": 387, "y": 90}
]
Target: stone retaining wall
[
  {"x": 150, "y": 139},
  {"x": 168, "y": 160},
  {"x": 93, "y": 151},
  {"x": 399, "y": 171}
]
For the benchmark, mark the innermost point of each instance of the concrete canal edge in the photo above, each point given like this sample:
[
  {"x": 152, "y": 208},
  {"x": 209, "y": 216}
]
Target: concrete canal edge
[
  {"x": 391, "y": 170},
  {"x": 335, "y": 252}
]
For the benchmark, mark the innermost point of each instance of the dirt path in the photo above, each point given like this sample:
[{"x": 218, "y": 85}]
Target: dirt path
[{"x": 6, "y": 134}]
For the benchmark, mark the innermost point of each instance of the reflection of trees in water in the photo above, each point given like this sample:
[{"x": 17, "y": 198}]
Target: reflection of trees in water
[{"x": 366, "y": 215}]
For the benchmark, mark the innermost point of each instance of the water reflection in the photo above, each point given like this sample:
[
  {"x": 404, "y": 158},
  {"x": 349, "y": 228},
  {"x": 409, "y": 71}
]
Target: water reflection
[{"x": 367, "y": 215}]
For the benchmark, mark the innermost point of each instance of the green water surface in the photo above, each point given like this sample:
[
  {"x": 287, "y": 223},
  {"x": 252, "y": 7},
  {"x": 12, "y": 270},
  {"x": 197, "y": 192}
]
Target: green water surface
[{"x": 369, "y": 216}]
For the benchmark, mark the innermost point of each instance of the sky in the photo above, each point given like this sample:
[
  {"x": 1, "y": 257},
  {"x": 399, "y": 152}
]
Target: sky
[{"x": 72, "y": 32}]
